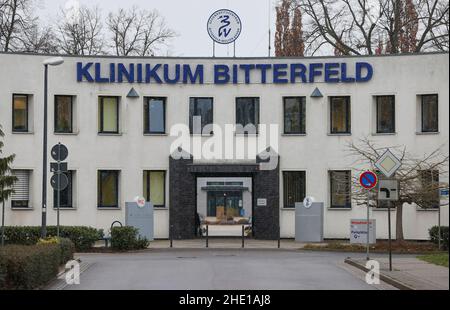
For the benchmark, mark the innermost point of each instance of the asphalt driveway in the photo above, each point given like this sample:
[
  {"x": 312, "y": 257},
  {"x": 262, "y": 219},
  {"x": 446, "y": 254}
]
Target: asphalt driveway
[{"x": 202, "y": 269}]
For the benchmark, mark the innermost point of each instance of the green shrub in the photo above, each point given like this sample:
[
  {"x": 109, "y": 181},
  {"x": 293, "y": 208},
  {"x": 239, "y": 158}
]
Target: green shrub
[
  {"x": 82, "y": 237},
  {"x": 434, "y": 232},
  {"x": 126, "y": 239},
  {"x": 67, "y": 249},
  {"x": 28, "y": 266}
]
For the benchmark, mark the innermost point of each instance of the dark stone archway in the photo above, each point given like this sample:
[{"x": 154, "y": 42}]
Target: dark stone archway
[{"x": 182, "y": 192}]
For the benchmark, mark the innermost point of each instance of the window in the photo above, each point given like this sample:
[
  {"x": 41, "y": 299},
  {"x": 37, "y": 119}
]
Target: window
[
  {"x": 154, "y": 188},
  {"x": 340, "y": 186},
  {"x": 430, "y": 113},
  {"x": 63, "y": 114},
  {"x": 109, "y": 115},
  {"x": 108, "y": 189},
  {"x": 21, "y": 196},
  {"x": 385, "y": 114},
  {"x": 294, "y": 187},
  {"x": 294, "y": 115},
  {"x": 20, "y": 113},
  {"x": 155, "y": 115},
  {"x": 340, "y": 115},
  {"x": 200, "y": 107},
  {"x": 429, "y": 196},
  {"x": 247, "y": 112},
  {"x": 65, "y": 196}
]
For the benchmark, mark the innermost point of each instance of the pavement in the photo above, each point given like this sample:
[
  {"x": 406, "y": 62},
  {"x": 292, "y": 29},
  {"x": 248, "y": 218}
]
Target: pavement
[
  {"x": 410, "y": 273},
  {"x": 227, "y": 269},
  {"x": 227, "y": 243}
]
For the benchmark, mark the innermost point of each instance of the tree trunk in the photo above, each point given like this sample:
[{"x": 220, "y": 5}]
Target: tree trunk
[{"x": 399, "y": 223}]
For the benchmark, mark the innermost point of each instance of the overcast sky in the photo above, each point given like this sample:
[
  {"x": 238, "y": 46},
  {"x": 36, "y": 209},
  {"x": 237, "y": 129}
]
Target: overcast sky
[{"x": 188, "y": 18}]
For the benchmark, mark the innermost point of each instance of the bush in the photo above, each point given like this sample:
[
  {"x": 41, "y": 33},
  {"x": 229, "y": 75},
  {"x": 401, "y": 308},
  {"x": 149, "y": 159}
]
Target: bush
[
  {"x": 126, "y": 239},
  {"x": 82, "y": 237},
  {"x": 67, "y": 249},
  {"x": 28, "y": 267},
  {"x": 434, "y": 232}
]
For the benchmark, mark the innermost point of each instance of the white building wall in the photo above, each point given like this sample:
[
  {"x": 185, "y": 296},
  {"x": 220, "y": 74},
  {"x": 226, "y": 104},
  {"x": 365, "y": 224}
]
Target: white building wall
[{"x": 132, "y": 152}]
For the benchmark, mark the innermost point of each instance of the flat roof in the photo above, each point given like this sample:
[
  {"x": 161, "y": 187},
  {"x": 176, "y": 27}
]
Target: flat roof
[{"x": 225, "y": 58}]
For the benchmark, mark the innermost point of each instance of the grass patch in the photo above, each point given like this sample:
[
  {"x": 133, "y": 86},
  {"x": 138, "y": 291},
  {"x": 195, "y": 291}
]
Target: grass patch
[{"x": 437, "y": 259}]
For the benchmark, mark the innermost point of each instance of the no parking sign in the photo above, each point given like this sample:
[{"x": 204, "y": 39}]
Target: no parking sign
[{"x": 368, "y": 179}]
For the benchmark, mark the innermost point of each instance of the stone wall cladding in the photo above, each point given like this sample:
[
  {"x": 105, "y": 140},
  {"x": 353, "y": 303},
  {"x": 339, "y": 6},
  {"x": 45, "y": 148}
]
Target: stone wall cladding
[
  {"x": 182, "y": 206},
  {"x": 267, "y": 218}
]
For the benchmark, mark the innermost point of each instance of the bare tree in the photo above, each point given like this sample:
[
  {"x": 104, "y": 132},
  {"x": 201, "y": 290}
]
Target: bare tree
[
  {"x": 80, "y": 31},
  {"x": 15, "y": 18},
  {"x": 137, "y": 32},
  {"x": 419, "y": 177},
  {"x": 39, "y": 39},
  {"x": 356, "y": 27},
  {"x": 289, "y": 30}
]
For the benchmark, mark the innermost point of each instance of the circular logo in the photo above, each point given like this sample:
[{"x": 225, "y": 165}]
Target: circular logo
[
  {"x": 368, "y": 179},
  {"x": 224, "y": 26},
  {"x": 140, "y": 201},
  {"x": 308, "y": 201}
]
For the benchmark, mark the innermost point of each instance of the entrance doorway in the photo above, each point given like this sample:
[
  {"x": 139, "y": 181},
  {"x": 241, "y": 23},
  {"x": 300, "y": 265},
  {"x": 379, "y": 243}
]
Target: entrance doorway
[{"x": 225, "y": 205}]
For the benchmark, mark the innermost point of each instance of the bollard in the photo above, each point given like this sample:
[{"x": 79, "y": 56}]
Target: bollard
[
  {"x": 242, "y": 236},
  {"x": 207, "y": 235},
  {"x": 279, "y": 241},
  {"x": 170, "y": 236}
]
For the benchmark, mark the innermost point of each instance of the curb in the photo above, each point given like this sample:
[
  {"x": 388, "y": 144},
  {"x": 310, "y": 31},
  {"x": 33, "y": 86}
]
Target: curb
[{"x": 389, "y": 280}]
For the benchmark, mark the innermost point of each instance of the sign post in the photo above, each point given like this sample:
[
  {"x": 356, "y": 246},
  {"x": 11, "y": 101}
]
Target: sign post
[
  {"x": 59, "y": 180},
  {"x": 388, "y": 164},
  {"x": 368, "y": 180}
]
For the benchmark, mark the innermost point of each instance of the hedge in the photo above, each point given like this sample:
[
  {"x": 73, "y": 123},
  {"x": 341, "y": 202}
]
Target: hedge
[
  {"x": 32, "y": 266},
  {"x": 127, "y": 238},
  {"x": 29, "y": 266},
  {"x": 434, "y": 232},
  {"x": 82, "y": 237}
]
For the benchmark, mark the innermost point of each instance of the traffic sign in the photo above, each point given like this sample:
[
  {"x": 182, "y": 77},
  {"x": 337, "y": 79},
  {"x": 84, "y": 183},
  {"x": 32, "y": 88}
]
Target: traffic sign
[
  {"x": 54, "y": 167},
  {"x": 388, "y": 190},
  {"x": 388, "y": 163},
  {"x": 368, "y": 179},
  {"x": 61, "y": 184},
  {"x": 59, "y": 152}
]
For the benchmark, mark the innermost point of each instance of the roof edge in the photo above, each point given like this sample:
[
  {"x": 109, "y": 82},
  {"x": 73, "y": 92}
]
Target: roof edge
[{"x": 223, "y": 58}]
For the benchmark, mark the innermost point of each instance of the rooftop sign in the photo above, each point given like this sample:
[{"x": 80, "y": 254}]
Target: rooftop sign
[{"x": 264, "y": 73}]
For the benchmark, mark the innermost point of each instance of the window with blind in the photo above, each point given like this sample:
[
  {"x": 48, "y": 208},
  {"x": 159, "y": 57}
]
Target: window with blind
[
  {"x": 21, "y": 196},
  {"x": 294, "y": 187},
  {"x": 294, "y": 115},
  {"x": 340, "y": 115},
  {"x": 109, "y": 115},
  {"x": 430, "y": 113},
  {"x": 65, "y": 196},
  {"x": 63, "y": 114},
  {"x": 154, "y": 115},
  {"x": 340, "y": 189},
  {"x": 108, "y": 189},
  {"x": 154, "y": 187},
  {"x": 20, "y": 113},
  {"x": 200, "y": 108},
  {"x": 385, "y": 114},
  {"x": 247, "y": 112}
]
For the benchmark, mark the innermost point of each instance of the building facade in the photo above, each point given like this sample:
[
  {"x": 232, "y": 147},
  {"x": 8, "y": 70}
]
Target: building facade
[{"x": 116, "y": 116}]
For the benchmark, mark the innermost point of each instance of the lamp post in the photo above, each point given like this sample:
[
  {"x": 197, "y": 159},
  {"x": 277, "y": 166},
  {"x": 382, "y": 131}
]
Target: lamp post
[{"x": 55, "y": 61}]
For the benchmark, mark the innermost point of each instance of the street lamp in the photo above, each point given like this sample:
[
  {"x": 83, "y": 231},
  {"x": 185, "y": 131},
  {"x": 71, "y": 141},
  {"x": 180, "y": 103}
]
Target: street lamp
[{"x": 54, "y": 61}]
